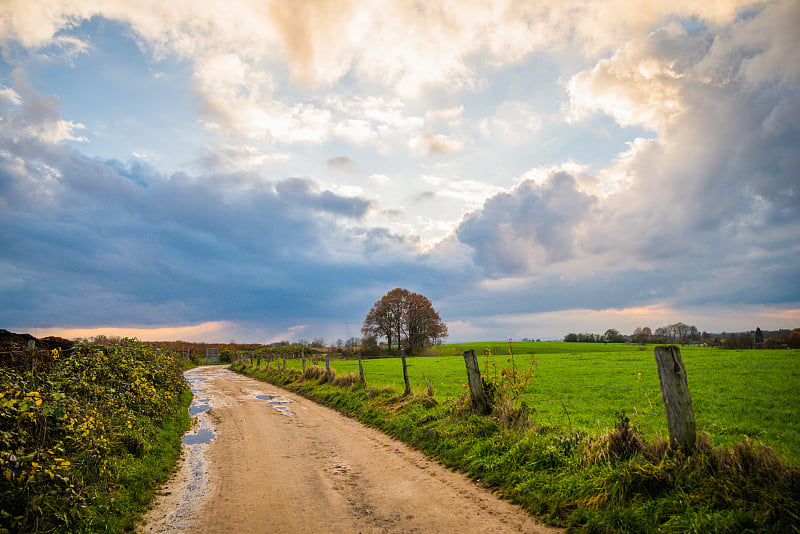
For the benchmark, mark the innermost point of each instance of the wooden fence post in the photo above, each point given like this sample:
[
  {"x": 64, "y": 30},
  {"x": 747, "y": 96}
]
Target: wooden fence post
[
  {"x": 677, "y": 401},
  {"x": 360, "y": 369},
  {"x": 405, "y": 375},
  {"x": 475, "y": 383},
  {"x": 327, "y": 363},
  {"x": 303, "y": 355},
  {"x": 284, "y": 361},
  {"x": 32, "y": 354}
]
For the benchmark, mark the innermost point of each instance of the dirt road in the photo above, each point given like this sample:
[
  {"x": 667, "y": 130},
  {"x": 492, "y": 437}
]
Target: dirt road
[{"x": 262, "y": 459}]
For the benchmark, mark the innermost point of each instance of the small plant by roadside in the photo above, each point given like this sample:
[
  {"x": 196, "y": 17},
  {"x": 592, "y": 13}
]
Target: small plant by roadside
[{"x": 504, "y": 386}]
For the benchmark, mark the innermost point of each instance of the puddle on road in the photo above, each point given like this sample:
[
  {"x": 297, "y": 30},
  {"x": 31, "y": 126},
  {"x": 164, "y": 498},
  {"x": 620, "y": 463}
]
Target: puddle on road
[
  {"x": 201, "y": 403},
  {"x": 204, "y": 435},
  {"x": 277, "y": 404},
  {"x": 196, "y": 409}
]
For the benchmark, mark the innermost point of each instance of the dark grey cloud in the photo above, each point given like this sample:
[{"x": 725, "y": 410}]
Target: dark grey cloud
[
  {"x": 88, "y": 242},
  {"x": 529, "y": 228}
]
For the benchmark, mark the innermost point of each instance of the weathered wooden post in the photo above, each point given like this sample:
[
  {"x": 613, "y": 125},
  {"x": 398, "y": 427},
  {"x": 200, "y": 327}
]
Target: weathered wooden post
[
  {"x": 677, "y": 401},
  {"x": 284, "y": 361},
  {"x": 303, "y": 355},
  {"x": 405, "y": 375},
  {"x": 32, "y": 354},
  {"x": 360, "y": 369},
  {"x": 475, "y": 383},
  {"x": 327, "y": 363}
]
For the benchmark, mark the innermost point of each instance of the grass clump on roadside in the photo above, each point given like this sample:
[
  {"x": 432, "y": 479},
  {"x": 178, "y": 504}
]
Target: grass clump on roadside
[
  {"x": 84, "y": 445},
  {"x": 612, "y": 481}
]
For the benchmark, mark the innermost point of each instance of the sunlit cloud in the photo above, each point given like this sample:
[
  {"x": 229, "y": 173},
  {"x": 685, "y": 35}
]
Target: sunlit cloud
[{"x": 208, "y": 331}]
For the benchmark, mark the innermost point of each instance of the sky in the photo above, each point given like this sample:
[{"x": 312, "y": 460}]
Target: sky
[{"x": 261, "y": 171}]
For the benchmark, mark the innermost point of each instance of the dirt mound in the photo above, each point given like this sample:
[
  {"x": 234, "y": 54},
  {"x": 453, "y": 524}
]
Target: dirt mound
[
  {"x": 14, "y": 353},
  {"x": 9, "y": 341}
]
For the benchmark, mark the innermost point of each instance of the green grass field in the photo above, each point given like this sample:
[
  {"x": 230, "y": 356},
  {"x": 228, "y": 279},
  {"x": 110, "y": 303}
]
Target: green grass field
[{"x": 582, "y": 386}]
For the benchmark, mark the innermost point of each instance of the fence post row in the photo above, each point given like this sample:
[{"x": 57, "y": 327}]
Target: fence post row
[
  {"x": 475, "y": 383},
  {"x": 677, "y": 400}
]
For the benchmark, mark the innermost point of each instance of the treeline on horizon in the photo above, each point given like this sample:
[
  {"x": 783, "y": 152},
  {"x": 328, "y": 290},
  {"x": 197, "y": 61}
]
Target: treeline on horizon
[
  {"x": 678, "y": 333},
  {"x": 689, "y": 334}
]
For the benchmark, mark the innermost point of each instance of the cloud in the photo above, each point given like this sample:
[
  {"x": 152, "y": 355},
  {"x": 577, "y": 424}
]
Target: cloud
[
  {"x": 357, "y": 131},
  {"x": 427, "y": 144},
  {"x": 402, "y": 45},
  {"x": 528, "y": 228},
  {"x": 513, "y": 123},
  {"x": 32, "y": 116},
  {"x": 701, "y": 209},
  {"x": 83, "y": 236},
  {"x": 342, "y": 163},
  {"x": 700, "y": 215},
  {"x": 209, "y": 331},
  {"x": 223, "y": 157}
]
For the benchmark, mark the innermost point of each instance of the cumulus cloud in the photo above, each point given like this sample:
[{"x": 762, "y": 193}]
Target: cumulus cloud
[
  {"x": 31, "y": 116},
  {"x": 529, "y": 228},
  {"x": 700, "y": 214}
]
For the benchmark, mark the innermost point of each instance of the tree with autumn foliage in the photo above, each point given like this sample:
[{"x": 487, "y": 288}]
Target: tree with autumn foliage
[{"x": 405, "y": 318}]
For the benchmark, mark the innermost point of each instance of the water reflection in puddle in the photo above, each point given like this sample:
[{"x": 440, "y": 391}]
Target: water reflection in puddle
[
  {"x": 204, "y": 435},
  {"x": 196, "y": 409},
  {"x": 277, "y": 404}
]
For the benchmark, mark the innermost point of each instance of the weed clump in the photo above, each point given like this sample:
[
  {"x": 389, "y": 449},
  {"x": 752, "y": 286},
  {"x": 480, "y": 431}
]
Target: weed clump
[
  {"x": 346, "y": 381},
  {"x": 624, "y": 441},
  {"x": 314, "y": 372}
]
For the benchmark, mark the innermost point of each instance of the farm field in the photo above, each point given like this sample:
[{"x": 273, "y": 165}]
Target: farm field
[{"x": 582, "y": 386}]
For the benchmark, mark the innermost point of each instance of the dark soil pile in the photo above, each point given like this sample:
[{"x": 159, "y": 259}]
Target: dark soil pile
[{"x": 14, "y": 353}]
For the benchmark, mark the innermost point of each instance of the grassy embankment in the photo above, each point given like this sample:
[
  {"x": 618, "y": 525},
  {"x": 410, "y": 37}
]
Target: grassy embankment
[
  {"x": 575, "y": 462},
  {"x": 85, "y": 443}
]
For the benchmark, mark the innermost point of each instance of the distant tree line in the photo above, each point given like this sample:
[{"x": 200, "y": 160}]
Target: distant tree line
[{"x": 682, "y": 333}]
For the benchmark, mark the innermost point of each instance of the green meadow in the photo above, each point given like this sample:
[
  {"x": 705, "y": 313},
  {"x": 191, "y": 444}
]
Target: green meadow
[{"x": 583, "y": 386}]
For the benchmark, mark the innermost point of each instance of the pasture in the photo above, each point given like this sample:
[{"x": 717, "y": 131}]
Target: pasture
[{"x": 580, "y": 387}]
